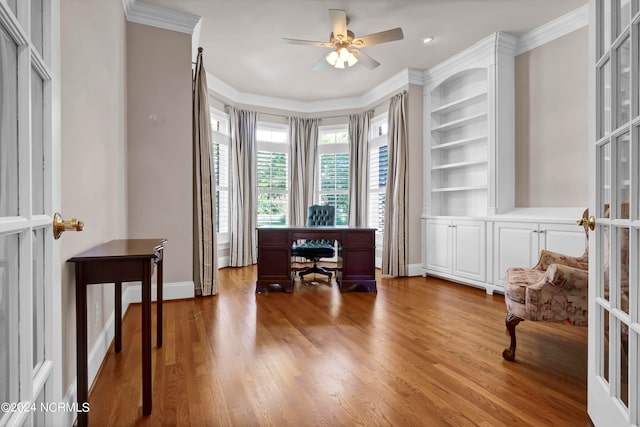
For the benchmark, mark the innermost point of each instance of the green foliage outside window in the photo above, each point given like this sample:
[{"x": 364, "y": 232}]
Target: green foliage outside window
[{"x": 272, "y": 188}]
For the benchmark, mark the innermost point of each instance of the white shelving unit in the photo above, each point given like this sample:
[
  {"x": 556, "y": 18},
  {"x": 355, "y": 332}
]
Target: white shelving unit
[
  {"x": 469, "y": 158},
  {"x": 469, "y": 131}
]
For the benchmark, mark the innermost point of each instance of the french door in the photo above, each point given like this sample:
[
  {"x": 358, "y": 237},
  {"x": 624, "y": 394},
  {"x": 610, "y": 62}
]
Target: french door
[
  {"x": 29, "y": 259},
  {"x": 614, "y": 300}
]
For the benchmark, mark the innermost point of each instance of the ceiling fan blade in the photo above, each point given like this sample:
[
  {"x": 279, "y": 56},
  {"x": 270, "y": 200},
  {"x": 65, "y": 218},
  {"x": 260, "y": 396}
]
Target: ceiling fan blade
[
  {"x": 338, "y": 23},
  {"x": 377, "y": 38},
  {"x": 365, "y": 60},
  {"x": 306, "y": 42}
]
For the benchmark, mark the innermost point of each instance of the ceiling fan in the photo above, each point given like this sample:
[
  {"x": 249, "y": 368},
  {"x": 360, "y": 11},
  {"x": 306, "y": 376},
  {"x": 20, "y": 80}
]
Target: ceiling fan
[{"x": 345, "y": 44}]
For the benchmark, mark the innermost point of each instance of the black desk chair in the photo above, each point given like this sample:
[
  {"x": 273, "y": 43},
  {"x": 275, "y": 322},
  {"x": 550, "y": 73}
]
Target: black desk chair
[{"x": 313, "y": 250}]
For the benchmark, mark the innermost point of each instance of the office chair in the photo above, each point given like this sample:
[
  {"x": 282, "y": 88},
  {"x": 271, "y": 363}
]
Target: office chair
[{"x": 313, "y": 250}]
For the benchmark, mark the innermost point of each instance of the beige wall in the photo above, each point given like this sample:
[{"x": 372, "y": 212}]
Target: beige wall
[
  {"x": 551, "y": 123},
  {"x": 159, "y": 152},
  {"x": 126, "y": 156},
  {"x": 94, "y": 186}
]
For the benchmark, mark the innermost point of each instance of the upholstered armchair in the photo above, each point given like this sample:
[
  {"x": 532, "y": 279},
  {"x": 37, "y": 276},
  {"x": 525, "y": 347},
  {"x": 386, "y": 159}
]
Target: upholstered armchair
[
  {"x": 554, "y": 290},
  {"x": 314, "y": 250}
]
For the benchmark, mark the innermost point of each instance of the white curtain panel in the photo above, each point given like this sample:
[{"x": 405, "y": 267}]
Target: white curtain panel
[
  {"x": 243, "y": 207},
  {"x": 205, "y": 239},
  {"x": 303, "y": 155},
  {"x": 358, "y": 168},
  {"x": 394, "y": 247}
]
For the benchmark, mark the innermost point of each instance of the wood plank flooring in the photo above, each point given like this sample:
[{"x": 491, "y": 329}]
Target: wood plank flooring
[{"x": 420, "y": 352}]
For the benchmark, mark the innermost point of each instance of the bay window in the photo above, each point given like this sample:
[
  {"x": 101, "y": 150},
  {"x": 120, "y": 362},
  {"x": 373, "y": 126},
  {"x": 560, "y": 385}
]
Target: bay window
[
  {"x": 333, "y": 170},
  {"x": 220, "y": 153},
  {"x": 378, "y": 166},
  {"x": 272, "y": 172}
]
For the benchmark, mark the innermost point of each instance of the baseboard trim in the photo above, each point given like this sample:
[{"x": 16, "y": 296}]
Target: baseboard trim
[
  {"x": 488, "y": 287},
  {"x": 414, "y": 270},
  {"x": 174, "y": 290},
  {"x": 131, "y": 295},
  {"x": 69, "y": 417}
]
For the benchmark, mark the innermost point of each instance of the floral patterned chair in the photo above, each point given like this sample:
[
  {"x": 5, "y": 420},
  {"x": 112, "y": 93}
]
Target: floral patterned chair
[{"x": 554, "y": 290}]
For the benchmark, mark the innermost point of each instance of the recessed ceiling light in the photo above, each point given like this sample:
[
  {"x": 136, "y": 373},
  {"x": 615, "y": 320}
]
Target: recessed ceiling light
[{"x": 427, "y": 39}]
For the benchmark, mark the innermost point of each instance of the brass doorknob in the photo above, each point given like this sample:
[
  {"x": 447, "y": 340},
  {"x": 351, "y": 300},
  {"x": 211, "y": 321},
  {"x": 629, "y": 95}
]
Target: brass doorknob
[
  {"x": 60, "y": 225},
  {"x": 591, "y": 222}
]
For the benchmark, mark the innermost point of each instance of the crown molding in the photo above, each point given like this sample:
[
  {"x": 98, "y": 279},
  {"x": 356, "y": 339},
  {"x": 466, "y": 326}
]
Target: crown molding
[
  {"x": 481, "y": 54},
  {"x": 160, "y": 17},
  {"x": 553, "y": 30},
  {"x": 394, "y": 83}
]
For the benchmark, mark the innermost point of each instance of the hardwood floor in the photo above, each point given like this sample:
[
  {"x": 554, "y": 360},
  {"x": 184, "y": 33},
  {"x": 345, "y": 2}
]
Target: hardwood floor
[{"x": 420, "y": 352}]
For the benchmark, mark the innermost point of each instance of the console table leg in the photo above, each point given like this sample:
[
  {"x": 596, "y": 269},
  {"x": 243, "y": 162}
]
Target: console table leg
[
  {"x": 159, "y": 301},
  {"x": 118, "y": 313},
  {"x": 81, "y": 344},
  {"x": 146, "y": 339}
]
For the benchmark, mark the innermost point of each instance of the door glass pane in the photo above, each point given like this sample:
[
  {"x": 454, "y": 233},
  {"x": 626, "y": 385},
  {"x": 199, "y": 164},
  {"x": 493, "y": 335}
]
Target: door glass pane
[
  {"x": 604, "y": 153},
  {"x": 624, "y": 16},
  {"x": 635, "y": 67},
  {"x": 605, "y": 36},
  {"x": 36, "y": 24},
  {"x": 9, "y": 259},
  {"x": 37, "y": 138},
  {"x": 624, "y": 363},
  {"x": 623, "y": 169},
  {"x": 38, "y": 297},
  {"x": 8, "y": 126},
  {"x": 606, "y": 262},
  {"x": 623, "y": 59},
  {"x": 623, "y": 269},
  {"x": 604, "y": 95},
  {"x": 604, "y": 343}
]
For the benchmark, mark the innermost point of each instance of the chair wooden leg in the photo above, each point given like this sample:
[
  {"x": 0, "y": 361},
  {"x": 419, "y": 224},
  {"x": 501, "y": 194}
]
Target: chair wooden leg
[{"x": 511, "y": 321}]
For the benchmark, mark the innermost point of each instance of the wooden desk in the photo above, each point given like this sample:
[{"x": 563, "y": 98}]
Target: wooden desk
[
  {"x": 356, "y": 256},
  {"x": 118, "y": 261}
]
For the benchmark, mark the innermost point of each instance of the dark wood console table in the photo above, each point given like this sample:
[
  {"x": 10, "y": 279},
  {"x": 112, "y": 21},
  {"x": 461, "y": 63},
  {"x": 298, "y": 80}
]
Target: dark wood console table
[
  {"x": 118, "y": 261},
  {"x": 356, "y": 256}
]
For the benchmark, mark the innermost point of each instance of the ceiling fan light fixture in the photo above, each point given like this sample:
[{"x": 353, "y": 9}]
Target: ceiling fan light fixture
[
  {"x": 352, "y": 59},
  {"x": 344, "y": 54},
  {"x": 339, "y": 63},
  {"x": 332, "y": 57}
]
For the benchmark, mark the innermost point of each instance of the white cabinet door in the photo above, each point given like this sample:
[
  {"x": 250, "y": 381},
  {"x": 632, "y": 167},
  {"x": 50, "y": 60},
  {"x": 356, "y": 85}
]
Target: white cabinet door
[
  {"x": 515, "y": 245},
  {"x": 438, "y": 237},
  {"x": 563, "y": 238},
  {"x": 469, "y": 249}
]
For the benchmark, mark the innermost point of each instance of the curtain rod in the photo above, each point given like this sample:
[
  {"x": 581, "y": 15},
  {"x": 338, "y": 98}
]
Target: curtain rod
[{"x": 227, "y": 106}]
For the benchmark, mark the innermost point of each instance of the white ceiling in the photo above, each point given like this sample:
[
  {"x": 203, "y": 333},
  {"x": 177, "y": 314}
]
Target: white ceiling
[{"x": 242, "y": 47}]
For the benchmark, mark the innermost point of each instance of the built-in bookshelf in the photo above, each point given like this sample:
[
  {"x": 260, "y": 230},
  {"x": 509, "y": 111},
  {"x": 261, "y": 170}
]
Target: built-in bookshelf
[
  {"x": 469, "y": 131},
  {"x": 459, "y": 131}
]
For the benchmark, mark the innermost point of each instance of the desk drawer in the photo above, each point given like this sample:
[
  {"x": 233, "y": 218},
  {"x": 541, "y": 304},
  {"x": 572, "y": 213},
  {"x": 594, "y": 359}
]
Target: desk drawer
[
  {"x": 364, "y": 239},
  {"x": 273, "y": 238}
]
